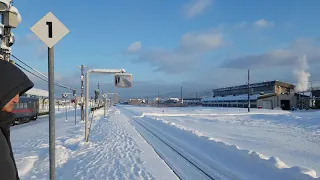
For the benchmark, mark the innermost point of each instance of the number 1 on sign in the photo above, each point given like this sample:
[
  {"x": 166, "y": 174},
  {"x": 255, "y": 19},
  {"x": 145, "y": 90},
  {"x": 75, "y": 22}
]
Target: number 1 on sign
[{"x": 50, "y": 29}]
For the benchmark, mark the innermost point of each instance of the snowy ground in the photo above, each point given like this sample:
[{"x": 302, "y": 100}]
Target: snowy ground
[
  {"x": 115, "y": 151},
  {"x": 232, "y": 144}
]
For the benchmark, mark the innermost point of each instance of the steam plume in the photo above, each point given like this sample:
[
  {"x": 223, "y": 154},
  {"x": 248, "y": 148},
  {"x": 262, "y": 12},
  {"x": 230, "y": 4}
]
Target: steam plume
[{"x": 301, "y": 74}]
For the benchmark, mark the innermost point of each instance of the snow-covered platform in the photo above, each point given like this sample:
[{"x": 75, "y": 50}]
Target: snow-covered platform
[{"x": 116, "y": 150}]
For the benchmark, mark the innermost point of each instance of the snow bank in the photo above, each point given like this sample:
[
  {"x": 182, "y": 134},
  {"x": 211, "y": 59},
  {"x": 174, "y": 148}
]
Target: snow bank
[
  {"x": 273, "y": 162},
  {"x": 273, "y": 167},
  {"x": 280, "y": 140}
]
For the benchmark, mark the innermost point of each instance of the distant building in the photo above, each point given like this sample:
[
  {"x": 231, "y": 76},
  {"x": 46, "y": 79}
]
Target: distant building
[
  {"x": 136, "y": 101},
  {"x": 192, "y": 101},
  {"x": 172, "y": 100},
  {"x": 267, "y": 95}
]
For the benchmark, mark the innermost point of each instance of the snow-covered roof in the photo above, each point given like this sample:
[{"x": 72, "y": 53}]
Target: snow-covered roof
[
  {"x": 38, "y": 92},
  {"x": 232, "y": 98}
]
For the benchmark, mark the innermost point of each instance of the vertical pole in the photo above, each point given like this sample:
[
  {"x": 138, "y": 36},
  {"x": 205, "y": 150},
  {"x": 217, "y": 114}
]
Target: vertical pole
[
  {"x": 51, "y": 114},
  {"x": 158, "y": 98},
  {"x": 311, "y": 95},
  {"x": 87, "y": 108},
  {"x": 249, "y": 91},
  {"x": 82, "y": 89},
  {"x": 147, "y": 101},
  {"x": 105, "y": 104},
  {"x": 303, "y": 100},
  {"x": 75, "y": 110},
  {"x": 65, "y": 106},
  {"x": 196, "y": 101},
  {"x": 107, "y": 109},
  {"x": 181, "y": 97}
]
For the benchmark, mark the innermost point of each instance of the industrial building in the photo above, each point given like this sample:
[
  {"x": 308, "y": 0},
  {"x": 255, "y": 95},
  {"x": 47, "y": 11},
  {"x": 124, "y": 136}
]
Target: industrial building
[
  {"x": 315, "y": 92},
  {"x": 267, "y": 95},
  {"x": 192, "y": 101}
]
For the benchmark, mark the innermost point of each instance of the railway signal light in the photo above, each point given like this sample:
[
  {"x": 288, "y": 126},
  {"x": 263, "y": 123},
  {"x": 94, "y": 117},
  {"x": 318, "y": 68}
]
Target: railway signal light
[{"x": 123, "y": 80}]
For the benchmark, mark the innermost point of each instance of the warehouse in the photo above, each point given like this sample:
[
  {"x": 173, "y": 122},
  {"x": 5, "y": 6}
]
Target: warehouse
[{"x": 267, "y": 95}]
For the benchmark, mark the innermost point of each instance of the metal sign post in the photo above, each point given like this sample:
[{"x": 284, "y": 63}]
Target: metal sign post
[
  {"x": 75, "y": 107},
  {"x": 65, "y": 95},
  {"x": 249, "y": 105},
  {"x": 50, "y": 30},
  {"x": 104, "y": 96},
  {"x": 65, "y": 106},
  {"x": 120, "y": 81}
]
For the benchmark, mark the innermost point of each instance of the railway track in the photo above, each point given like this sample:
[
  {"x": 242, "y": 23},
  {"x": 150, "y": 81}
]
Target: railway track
[{"x": 181, "y": 163}]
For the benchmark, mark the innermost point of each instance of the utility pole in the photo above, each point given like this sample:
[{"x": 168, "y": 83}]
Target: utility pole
[
  {"x": 181, "y": 97},
  {"x": 311, "y": 95},
  {"x": 196, "y": 98},
  {"x": 82, "y": 67},
  {"x": 75, "y": 106},
  {"x": 249, "y": 90},
  {"x": 158, "y": 98}
]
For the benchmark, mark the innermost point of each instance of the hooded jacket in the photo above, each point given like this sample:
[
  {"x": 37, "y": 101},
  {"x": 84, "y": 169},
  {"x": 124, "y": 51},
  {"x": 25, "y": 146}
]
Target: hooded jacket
[{"x": 13, "y": 81}]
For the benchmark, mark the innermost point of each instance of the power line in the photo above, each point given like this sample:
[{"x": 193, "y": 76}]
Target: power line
[
  {"x": 31, "y": 72},
  {"x": 36, "y": 75},
  {"x": 56, "y": 83}
]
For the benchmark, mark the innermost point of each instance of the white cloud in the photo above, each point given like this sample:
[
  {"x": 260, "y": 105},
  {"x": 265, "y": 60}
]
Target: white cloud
[
  {"x": 184, "y": 57},
  {"x": 42, "y": 51},
  {"x": 279, "y": 57},
  {"x": 134, "y": 47},
  {"x": 262, "y": 23},
  {"x": 31, "y": 37},
  {"x": 202, "y": 41},
  {"x": 196, "y": 7},
  {"x": 240, "y": 25},
  {"x": 169, "y": 61}
]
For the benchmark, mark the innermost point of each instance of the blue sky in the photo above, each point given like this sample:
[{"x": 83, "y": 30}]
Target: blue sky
[{"x": 175, "y": 43}]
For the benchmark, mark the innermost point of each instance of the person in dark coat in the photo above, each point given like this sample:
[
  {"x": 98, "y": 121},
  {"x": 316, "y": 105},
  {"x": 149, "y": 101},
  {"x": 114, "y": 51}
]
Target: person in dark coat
[{"x": 13, "y": 84}]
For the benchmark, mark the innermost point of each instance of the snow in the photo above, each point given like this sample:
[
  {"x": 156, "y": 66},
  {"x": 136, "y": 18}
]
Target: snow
[
  {"x": 233, "y": 144},
  {"x": 115, "y": 151},
  {"x": 226, "y": 143}
]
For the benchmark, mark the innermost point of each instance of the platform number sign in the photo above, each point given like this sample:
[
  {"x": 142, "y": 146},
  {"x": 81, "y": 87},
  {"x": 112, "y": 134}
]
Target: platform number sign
[{"x": 49, "y": 30}]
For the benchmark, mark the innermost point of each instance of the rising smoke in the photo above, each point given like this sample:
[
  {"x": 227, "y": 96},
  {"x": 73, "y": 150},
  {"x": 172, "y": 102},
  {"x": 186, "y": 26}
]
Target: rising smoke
[{"x": 301, "y": 74}]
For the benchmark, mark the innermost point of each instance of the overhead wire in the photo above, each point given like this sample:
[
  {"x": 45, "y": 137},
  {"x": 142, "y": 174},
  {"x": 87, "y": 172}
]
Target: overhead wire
[
  {"x": 56, "y": 83},
  {"x": 36, "y": 75}
]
